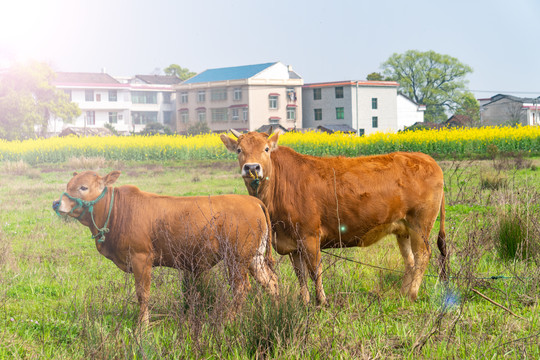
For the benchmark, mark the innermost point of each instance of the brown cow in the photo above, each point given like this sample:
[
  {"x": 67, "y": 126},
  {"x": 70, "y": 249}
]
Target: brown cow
[
  {"x": 333, "y": 202},
  {"x": 138, "y": 230}
]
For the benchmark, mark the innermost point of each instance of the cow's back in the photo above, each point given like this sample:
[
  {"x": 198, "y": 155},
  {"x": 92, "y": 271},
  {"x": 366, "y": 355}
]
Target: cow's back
[{"x": 318, "y": 193}]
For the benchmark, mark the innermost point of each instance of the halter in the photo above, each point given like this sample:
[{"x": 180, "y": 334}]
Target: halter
[{"x": 89, "y": 206}]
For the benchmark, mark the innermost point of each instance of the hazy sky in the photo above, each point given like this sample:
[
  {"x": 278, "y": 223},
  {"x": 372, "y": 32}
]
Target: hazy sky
[{"x": 322, "y": 40}]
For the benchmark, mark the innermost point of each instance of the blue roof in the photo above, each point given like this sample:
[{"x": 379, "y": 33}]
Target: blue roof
[{"x": 229, "y": 73}]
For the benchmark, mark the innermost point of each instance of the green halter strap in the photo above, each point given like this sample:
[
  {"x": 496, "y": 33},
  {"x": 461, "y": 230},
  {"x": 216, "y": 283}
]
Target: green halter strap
[{"x": 89, "y": 206}]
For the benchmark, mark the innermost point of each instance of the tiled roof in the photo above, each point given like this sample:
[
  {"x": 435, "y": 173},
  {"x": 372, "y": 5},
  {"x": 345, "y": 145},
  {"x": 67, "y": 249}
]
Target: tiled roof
[
  {"x": 84, "y": 78},
  {"x": 159, "y": 79},
  {"x": 229, "y": 73},
  {"x": 335, "y": 128}
]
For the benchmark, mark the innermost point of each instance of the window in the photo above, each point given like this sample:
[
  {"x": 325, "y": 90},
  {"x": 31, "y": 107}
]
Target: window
[
  {"x": 318, "y": 114},
  {"x": 98, "y": 97},
  {"x": 113, "y": 95},
  {"x": 89, "y": 95},
  {"x": 144, "y": 117},
  {"x": 291, "y": 94},
  {"x": 218, "y": 94},
  {"x": 237, "y": 94},
  {"x": 273, "y": 101},
  {"x": 291, "y": 113},
  {"x": 166, "y": 98},
  {"x": 273, "y": 120},
  {"x": 143, "y": 97},
  {"x": 340, "y": 113},
  {"x": 201, "y": 115},
  {"x": 374, "y": 103},
  {"x": 68, "y": 93},
  {"x": 113, "y": 117},
  {"x": 339, "y": 92},
  {"x": 375, "y": 122},
  {"x": 90, "y": 118},
  {"x": 317, "y": 94},
  {"x": 167, "y": 117},
  {"x": 235, "y": 114},
  {"x": 201, "y": 96},
  {"x": 184, "y": 116},
  {"x": 245, "y": 114},
  {"x": 361, "y": 132},
  {"x": 219, "y": 115},
  {"x": 183, "y": 97}
]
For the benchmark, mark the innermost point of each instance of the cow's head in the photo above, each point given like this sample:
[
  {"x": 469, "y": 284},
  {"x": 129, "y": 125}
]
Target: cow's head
[
  {"x": 81, "y": 190},
  {"x": 253, "y": 151}
]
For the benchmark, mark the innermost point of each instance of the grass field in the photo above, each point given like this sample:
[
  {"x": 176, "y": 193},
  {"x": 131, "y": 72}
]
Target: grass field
[{"x": 60, "y": 299}]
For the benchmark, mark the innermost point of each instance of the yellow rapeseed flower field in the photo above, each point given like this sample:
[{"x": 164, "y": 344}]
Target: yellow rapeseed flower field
[{"x": 443, "y": 142}]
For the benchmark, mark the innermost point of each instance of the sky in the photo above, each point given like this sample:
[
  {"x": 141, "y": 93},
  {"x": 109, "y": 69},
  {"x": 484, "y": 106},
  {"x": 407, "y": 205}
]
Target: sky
[{"x": 322, "y": 40}]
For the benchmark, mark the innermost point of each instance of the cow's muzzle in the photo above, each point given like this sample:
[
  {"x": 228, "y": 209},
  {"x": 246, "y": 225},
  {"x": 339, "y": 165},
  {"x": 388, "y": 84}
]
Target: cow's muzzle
[
  {"x": 56, "y": 205},
  {"x": 252, "y": 170}
]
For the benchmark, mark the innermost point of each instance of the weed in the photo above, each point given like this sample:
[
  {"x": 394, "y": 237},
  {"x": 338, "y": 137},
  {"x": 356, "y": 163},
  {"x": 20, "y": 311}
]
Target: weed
[
  {"x": 86, "y": 163},
  {"x": 493, "y": 181}
]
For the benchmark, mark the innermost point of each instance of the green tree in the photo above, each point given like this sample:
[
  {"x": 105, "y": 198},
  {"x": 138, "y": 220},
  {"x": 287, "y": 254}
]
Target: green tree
[
  {"x": 375, "y": 76},
  {"x": 469, "y": 107},
  {"x": 178, "y": 71},
  {"x": 199, "y": 127},
  {"x": 28, "y": 100},
  {"x": 428, "y": 78}
]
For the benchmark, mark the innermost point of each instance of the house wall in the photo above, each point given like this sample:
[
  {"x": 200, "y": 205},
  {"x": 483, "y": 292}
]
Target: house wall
[
  {"x": 501, "y": 112},
  {"x": 408, "y": 112},
  {"x": 255, "y": 96},
  {"x": 357, "y": 104},
  {"x": 123, "y": 107}
]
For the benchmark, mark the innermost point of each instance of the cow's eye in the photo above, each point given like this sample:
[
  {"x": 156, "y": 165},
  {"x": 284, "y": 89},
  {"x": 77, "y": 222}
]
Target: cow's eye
[
  {"x": 238, "y": 150},
  {"x": 267, "y": 149},
  {"x": 83, "y": 188}
]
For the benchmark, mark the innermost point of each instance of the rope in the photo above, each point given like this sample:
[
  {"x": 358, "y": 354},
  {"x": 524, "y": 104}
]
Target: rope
[
  {"x": 494, "y": 277},
  {"x": 89, "y": 206}
]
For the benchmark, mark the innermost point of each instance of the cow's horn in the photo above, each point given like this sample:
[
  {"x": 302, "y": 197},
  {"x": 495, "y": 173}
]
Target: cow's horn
[{"x": 235, "y": 133}]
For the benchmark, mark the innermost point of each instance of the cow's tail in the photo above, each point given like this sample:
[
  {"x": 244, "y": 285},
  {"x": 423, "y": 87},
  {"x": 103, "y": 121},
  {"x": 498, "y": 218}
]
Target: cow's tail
[
  {"x": 269, "y": 239},
  {"x": 441, "y": 244}
]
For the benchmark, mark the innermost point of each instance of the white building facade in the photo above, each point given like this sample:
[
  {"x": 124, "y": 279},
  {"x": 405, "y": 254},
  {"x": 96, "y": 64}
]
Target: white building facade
[
  {"x": 365, "y": 106},
  {"x": 126, "y": 104}
]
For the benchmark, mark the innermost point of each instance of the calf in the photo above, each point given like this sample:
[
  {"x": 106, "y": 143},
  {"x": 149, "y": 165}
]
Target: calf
[{"x": 138, "y": 230}]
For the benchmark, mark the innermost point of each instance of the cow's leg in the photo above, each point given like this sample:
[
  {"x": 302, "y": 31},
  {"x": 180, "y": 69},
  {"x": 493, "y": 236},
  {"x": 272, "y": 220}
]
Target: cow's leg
[
  {"x": 314, "y": 265},
  {"x": 297, "y": 258},
  {"x": 264, "y": 275},
  {"x": 239, "y": 283},
  {"x": 141, "y": 264},
  {"x": 422, "y": 251},
  {"x": 404, "y": 243}
]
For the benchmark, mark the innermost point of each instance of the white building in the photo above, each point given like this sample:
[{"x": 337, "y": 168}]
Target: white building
[
  {"x": 408, "y": 112},
  {"x": 127, "y": 104},
  {"x": 365, "y": 106}
]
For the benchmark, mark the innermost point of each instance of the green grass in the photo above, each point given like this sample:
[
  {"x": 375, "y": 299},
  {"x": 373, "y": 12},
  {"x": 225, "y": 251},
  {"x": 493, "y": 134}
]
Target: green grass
[{"x": 60, "y": 299}]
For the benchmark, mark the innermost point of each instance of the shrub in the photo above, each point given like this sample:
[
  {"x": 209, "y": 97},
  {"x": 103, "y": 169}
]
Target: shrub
[
  {"x": 493, "y": 181},
  {"x": 511, "y": 236}
]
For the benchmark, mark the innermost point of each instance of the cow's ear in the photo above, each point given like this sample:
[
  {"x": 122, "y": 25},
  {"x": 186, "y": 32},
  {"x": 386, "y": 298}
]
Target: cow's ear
[
  {"x": 273, "y": 140},
  {"x": 111, "y": 177},
  {"x": 231, "y": 144},
  {"x": 75, "y": 173}
]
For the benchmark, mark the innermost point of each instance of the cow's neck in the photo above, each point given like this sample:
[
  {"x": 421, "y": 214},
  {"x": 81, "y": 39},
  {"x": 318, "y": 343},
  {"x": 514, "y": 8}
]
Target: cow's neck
[{"x": 274, "y": 188}]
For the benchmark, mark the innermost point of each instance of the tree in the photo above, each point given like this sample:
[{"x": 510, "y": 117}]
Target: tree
[
  {"x": 374, "y": 76},
  {"x": 469, "y": 107},
  {"x": 179, "y": 72},
  {"x": 199, "y": 127},
  {"x": 28, "y": 100},
  {"x": 428, "y": 78},
  {"x": 155, "y": 128}
]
